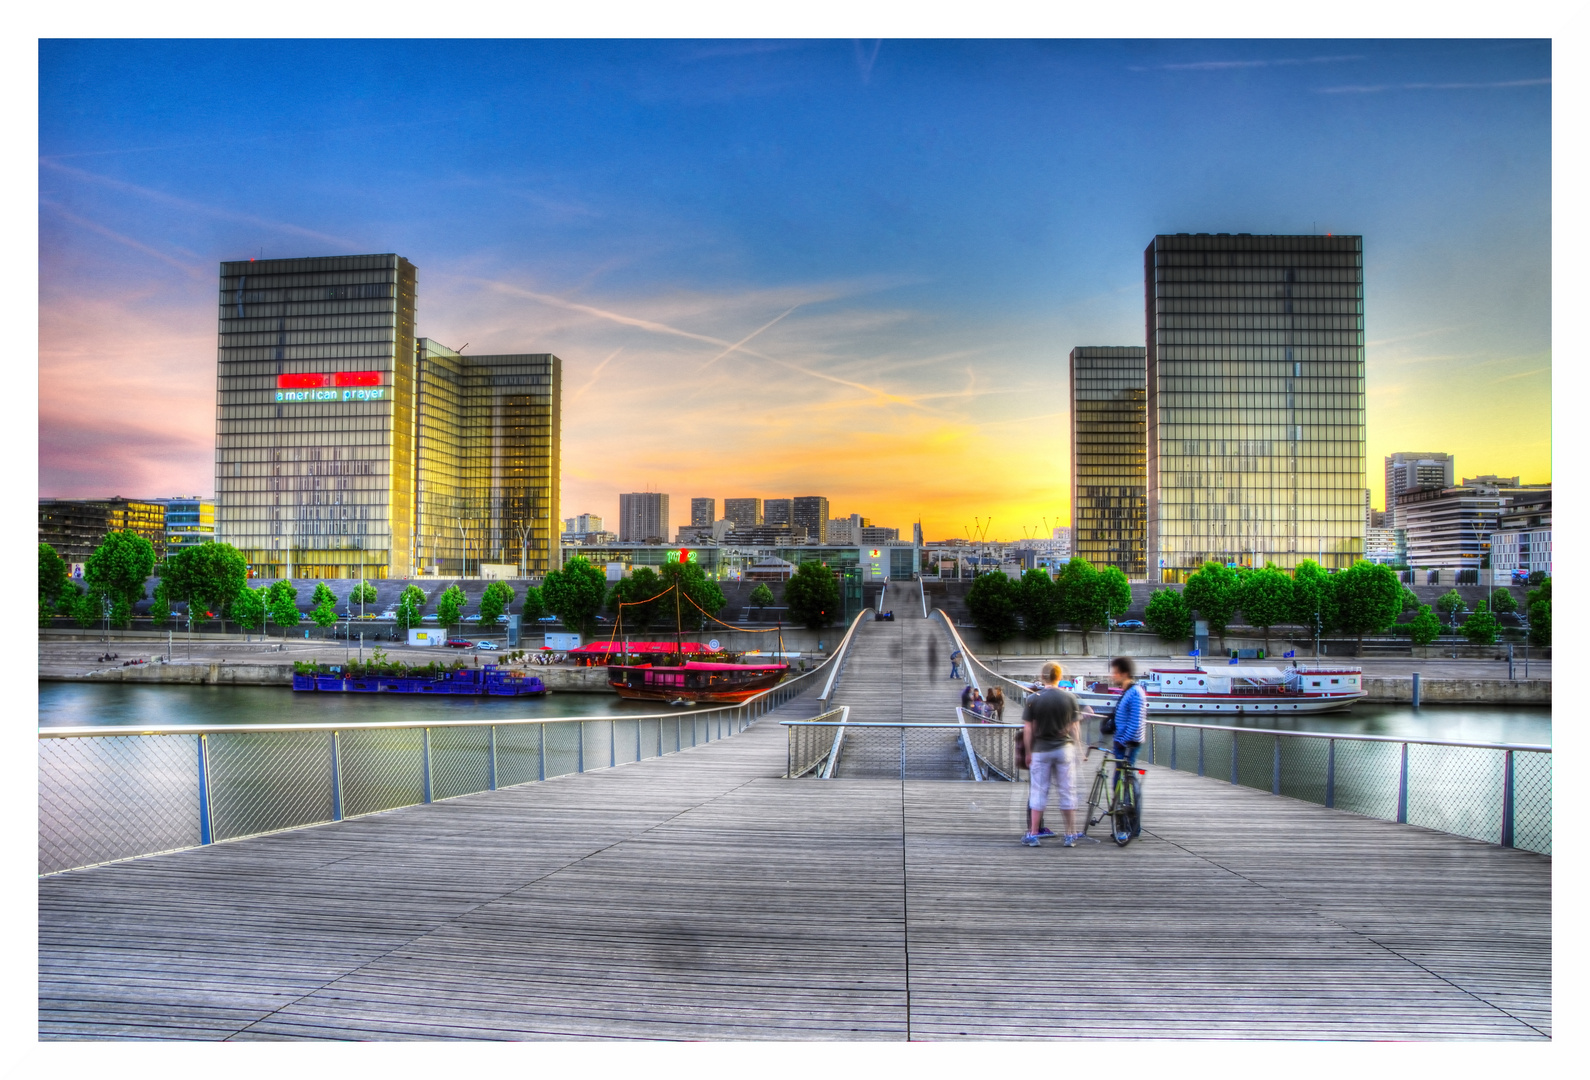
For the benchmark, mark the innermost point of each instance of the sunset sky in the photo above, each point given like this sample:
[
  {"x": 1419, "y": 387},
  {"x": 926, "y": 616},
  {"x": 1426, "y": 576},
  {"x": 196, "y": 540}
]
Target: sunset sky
[{"x": 789, "y": 268}]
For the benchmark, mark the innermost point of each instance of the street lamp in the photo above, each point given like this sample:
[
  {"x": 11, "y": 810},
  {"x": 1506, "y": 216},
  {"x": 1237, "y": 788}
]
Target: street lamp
[{"x": 464, "y": 541}]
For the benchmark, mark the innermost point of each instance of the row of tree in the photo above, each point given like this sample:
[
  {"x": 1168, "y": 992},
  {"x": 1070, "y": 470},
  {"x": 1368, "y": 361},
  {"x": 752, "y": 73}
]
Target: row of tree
[{"x": 1037, "y": 604}]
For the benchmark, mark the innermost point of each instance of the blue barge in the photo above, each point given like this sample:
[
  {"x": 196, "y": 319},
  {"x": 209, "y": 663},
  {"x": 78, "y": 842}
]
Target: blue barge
[{"x": 477, "y": 681}]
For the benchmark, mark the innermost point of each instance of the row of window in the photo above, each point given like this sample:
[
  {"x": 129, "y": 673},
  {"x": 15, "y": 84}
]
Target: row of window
[
  {"x": 383, "y": 335},
  {"x": 1254, "y": 339},
  {"x": 1173, "y": 280},
  {"x": 229, "y": 313},
  {"x": 1337, "y": 321},
  {"x": 379, "y": 354}
]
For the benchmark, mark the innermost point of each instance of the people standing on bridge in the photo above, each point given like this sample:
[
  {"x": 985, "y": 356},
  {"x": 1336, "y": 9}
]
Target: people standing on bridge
[
  {"x": 1130, "y": 711},
  {"x": 966, "y": 697},
  {"x": 996, "y": 704},
  {"x": 1050, "y": 730}
]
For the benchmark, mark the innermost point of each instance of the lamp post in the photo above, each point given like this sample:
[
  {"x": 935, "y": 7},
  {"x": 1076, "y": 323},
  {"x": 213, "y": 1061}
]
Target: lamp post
[{"x": 463, "y": 540}]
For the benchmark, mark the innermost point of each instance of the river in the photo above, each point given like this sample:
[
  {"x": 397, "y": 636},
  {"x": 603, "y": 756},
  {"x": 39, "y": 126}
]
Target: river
[{"x": 124, "y": 705}]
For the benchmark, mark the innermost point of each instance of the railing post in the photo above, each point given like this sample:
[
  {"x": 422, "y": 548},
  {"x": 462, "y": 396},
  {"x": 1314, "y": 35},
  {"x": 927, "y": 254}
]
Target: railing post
[
  {"x": 638, "y": 754},
  {"x": 1330, "y": 772},
  {"x": 1275, "y": 780},
  {"x": 1173, "y": 739},
  {"x": 336, "y": 778},
  {"x": 1507, "y": 799},
  {"x": 1402, "y": 788},
  {"x": 612, "y": 744},
  {"x": 205, "y": 836},
  {"x": 579, "y": 751},
  {"x": 425, "y": 763},
  {"x": 491, "y": 757},
  {"x": 541, "y": 752},
  {"x": 1200, "y": 751},
  {"x": 1233, "y": 755}
]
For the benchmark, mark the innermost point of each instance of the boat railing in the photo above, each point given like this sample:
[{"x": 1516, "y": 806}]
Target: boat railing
[
  {"x": 113, "y": 793},
  {"x": 1497, "y": 792}
]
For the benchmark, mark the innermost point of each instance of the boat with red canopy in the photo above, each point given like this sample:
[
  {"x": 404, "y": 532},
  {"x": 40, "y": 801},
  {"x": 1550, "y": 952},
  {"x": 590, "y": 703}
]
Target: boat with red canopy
[{"x": 674, "y": 677}]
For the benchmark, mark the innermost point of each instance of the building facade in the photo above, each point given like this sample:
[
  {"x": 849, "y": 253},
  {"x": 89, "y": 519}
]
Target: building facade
[
  {"x": 189, "y": 521},
  {"x": 841, "y": 531},
  {"x": 1411, "y": 469},
  {"x": 778, "y": 512},
  {"x": 810, "y": 512},
  {"x": 643, "y": 518},
  {"x": 1450, "y": 528},
  {"x": 583, "y": 523},
  {"x": 486, "y": 460},
  {"x": 75, "y": 527},
  {"x": 745, "y": 513},
  {"x": 703, "y": 511},
  {"x": 1109, "y": 457},
  {"x": 1521, "y": 543},
  {"x": 1255, "y": 388}
]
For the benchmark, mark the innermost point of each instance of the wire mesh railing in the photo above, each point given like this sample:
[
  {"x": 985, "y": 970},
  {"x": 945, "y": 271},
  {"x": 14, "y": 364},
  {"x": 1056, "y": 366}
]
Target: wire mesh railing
[
  {"x": 107, "y": 794},
  {"x": 1496, "y": 792},
  {"x": 829, "y": 749}
]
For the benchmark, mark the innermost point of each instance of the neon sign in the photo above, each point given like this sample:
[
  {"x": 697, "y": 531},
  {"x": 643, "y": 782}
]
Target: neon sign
[
  {"x": 307, "y": 381},
  {"x": 683, "y": 555},
  {"x": 375, "y": 394}
]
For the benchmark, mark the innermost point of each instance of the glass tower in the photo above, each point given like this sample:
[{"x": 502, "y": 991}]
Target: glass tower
[
  {"x": 314, "y": 415},
  {"x": 1109, "y": 457},
  {"x": 486, "y": 460},
  {"x": 1255, "y": 381}
]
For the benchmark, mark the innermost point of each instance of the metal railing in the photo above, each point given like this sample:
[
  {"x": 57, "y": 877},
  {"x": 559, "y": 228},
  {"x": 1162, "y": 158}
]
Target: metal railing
[
  {"x": 812, "y": 743},
  {"x": 905, "y": 751},
  {"x": 1498, "y": 792},
  {"x": 1015, "y": 692},
  {"x": 107, "y": 794},
  {"x": 836, "y": 661}
]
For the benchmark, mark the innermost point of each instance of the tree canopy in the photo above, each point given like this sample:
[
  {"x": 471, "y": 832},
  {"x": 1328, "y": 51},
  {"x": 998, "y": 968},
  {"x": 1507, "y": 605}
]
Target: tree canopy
[
  {"x": 694, "y": 585},
  {"x": 1266, "y": 599},
  {"x": 1212, "y": 590},
  {"x": 1368, "y": 598},
  {"x": 994, "y": 603},
  {"x": 762, "y": 596},
  {"x": 450, "y": 607},
  {"x": 363, "y": 593},
  {"x": 1481, "y": 626},
  {"x": 281, "y": 604},
  {"x": 1313, "y": 598},
  {"x": 118, "y": 569},
  {"x": 207, "y": 577},
  {"x": 1038, "y": 602},
  {"x": 812, "y": 596},
  {"x": 1426, "y": 627},
  {"x": 1167, "y": 615},
  {"x": 248, "y": 609},
  {"x": 410, "y": 603},
  {"x": 1451, "y": 603},
  {"x": 54, "y": 584},
  {"x": 323, "y": 609},
  {"x": 494, "y": 602},
  {"x": 1502, "y": 602},
  {"x": 575, "y": 593}
]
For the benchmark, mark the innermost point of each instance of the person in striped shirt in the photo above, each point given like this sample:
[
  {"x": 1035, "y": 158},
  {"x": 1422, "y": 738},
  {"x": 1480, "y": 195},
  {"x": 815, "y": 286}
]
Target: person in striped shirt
[{"x": 1130, "y": 711}]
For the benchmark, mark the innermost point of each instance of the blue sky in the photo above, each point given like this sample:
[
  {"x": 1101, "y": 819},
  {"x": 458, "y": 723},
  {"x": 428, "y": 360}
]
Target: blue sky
[{"x": 928, "y": 227}]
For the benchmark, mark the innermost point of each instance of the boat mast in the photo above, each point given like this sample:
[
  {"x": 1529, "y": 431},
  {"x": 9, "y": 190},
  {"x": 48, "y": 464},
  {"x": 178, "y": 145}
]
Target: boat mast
[{"x": 679, "y": 619}]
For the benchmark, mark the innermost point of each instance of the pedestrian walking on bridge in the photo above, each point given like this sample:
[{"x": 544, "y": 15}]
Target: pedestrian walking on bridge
[{"x": 955, "y": 664}]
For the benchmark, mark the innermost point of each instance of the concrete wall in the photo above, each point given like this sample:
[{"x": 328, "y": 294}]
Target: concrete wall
[
  {"x": 218, "y": 673},
  {"x": 1461, "y": 691}
]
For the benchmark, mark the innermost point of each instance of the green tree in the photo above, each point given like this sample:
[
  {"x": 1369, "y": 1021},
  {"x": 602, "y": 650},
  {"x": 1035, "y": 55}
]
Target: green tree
[
  {"x": 1502, "y": 602},
  {"x": 1451, "y": 605},
  {"x": 1536, "y": 577},
  {"x": 1167, "y": 615},
  {"x": 207, "y": 577},
  {"x": 694, "y": 585},
  {"x": 1038, "y": 604},
  {"x": 762, "y": 596},
  {"x": 1480, "y": 627},
  {"x": 1426, "y": 627},
  {"x": 409, "y": 606},
  {"x": 323, "y": 607},
  {"x": 450, "y": 607},
  {"x": 1083, "y": 602},
  {"x": 363, "y": 593},
  {"x": 53, "y": 579},
  {"x": 1213, "y": 591},
  {"x": 1368, "y": 598},
  {"x": 1540, "y": 622},
  {"x": 533, "y": 607},
  {"x": 160, "y": 607},
  {"x": 812, "y": 595},
  {"x": 1313, "y": 598},
  {"x": 994, "y": 602},
  {"x": 119, "y": 568},
  {"x": 1410, "y": 600},
  {"x": 494, "y": 602},
  {"x": 1115, "y": 592},
  {"x": 281, "y": 604},
  {"x": 85, "y": 606},
  {"x": 575, "y": 593},
  {"x": 1265, "y": 597},
  {"x": 248, "y": 609}
]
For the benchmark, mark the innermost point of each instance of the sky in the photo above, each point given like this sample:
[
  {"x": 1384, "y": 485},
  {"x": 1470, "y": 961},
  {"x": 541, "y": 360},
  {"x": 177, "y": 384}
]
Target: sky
[{"x": 840, "y": 268}]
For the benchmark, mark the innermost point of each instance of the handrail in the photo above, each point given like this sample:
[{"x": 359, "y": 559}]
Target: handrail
[
  {"x": 966, "y": 744},
  {"x": 207, "y": 729},
  {"x": 902, "y": 724},
  {"x": 922, "y": 583},
  {"x": 825, "y": 762},
  {"x": 837, "y": 659},
  {"x": 1348, "y": 736},
  {"x": 971, "y": 658}
]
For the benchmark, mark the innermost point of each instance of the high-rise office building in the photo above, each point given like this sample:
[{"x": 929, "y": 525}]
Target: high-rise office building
[
  {"x": 744, "y": 513},
  {"x": 843, "y": 531},
  {"x": 583, "y": 523},
  {"x": 75, "y": 527},
  {"x": 703, "y": 511},
  {"x": 810, "y": 512},
  {"x": 643, "y": 518},
  {"x": 487, "y": 435},
  {"x": 344, "y": 448},
  {"x": 1409, "y": 470},
  {"x": 314, "y": 462},
  {"x": 1109, "y": 456},
  {"x": 778, "y": 512},
  {"x": 189, "y": 521},
  {"x": 1255, "y": 373}
]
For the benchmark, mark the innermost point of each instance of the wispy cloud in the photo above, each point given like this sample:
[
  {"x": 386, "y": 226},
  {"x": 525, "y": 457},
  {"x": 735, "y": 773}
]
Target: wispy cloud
[
  {"x": 596, "y": 373},
  {"x": 1227, "y": 65},
  {"x": 110, "y": 234},
  {"x": 1378, "y": 89},
  {"x": 191, "y": 206},
  {"x": 747, "y": 338},
  {"x": 1523, "y": 374},
  {"x": 866, "y": 58}
]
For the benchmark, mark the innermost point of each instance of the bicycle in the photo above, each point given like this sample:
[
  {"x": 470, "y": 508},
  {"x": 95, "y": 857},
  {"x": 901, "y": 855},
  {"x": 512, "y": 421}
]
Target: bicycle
[{"x": 1118, "y": 797}]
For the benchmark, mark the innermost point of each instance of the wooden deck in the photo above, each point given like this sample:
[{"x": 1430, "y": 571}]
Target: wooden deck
[{"x": 700, "y": 896}]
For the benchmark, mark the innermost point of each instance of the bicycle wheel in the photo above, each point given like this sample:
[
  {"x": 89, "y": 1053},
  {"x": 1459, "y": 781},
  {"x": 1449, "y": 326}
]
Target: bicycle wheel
[
  {"x": 1123, "y": 811},
  {"x": 1098, "y": 802}
]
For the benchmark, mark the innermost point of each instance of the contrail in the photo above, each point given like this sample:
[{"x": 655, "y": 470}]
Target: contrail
[
  {"x": 578, "y": 394},
  {"x": 120, "y": 239},
  {"x": 745, "y": 339}
]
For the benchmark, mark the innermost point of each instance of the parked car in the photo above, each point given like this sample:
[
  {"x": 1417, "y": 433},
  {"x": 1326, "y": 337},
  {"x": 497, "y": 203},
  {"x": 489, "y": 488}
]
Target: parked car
[
  {"x": 459, "y": 643},
  {"x": 488, "y": 645},
  {"x": 1129, "y": 624}
]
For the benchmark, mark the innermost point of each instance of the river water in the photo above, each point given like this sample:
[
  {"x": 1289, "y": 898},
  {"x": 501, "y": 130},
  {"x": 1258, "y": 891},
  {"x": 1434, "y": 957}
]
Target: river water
[{"x": 125, "y": 705}]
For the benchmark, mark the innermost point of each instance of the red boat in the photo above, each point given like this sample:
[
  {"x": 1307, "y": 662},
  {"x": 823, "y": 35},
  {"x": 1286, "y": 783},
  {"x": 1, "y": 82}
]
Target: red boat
[{"x": 693, "y": 681}]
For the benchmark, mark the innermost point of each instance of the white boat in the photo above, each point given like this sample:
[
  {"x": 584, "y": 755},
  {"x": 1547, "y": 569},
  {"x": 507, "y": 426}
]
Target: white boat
[{"x": 1238, "y": 690}]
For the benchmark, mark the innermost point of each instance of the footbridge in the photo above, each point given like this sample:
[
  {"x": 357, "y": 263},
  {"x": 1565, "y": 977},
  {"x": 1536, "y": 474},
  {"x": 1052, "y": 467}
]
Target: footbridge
[{"x": 689, "y": 876}]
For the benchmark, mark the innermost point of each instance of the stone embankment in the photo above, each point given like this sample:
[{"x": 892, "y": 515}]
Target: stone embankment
[
  {"x": 226, "y": 673},
  {"x": 1460, "y": 691}
]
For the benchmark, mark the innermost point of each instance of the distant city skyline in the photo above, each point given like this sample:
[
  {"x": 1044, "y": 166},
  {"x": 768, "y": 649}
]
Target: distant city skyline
[{"x": 790, "y": 266}]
